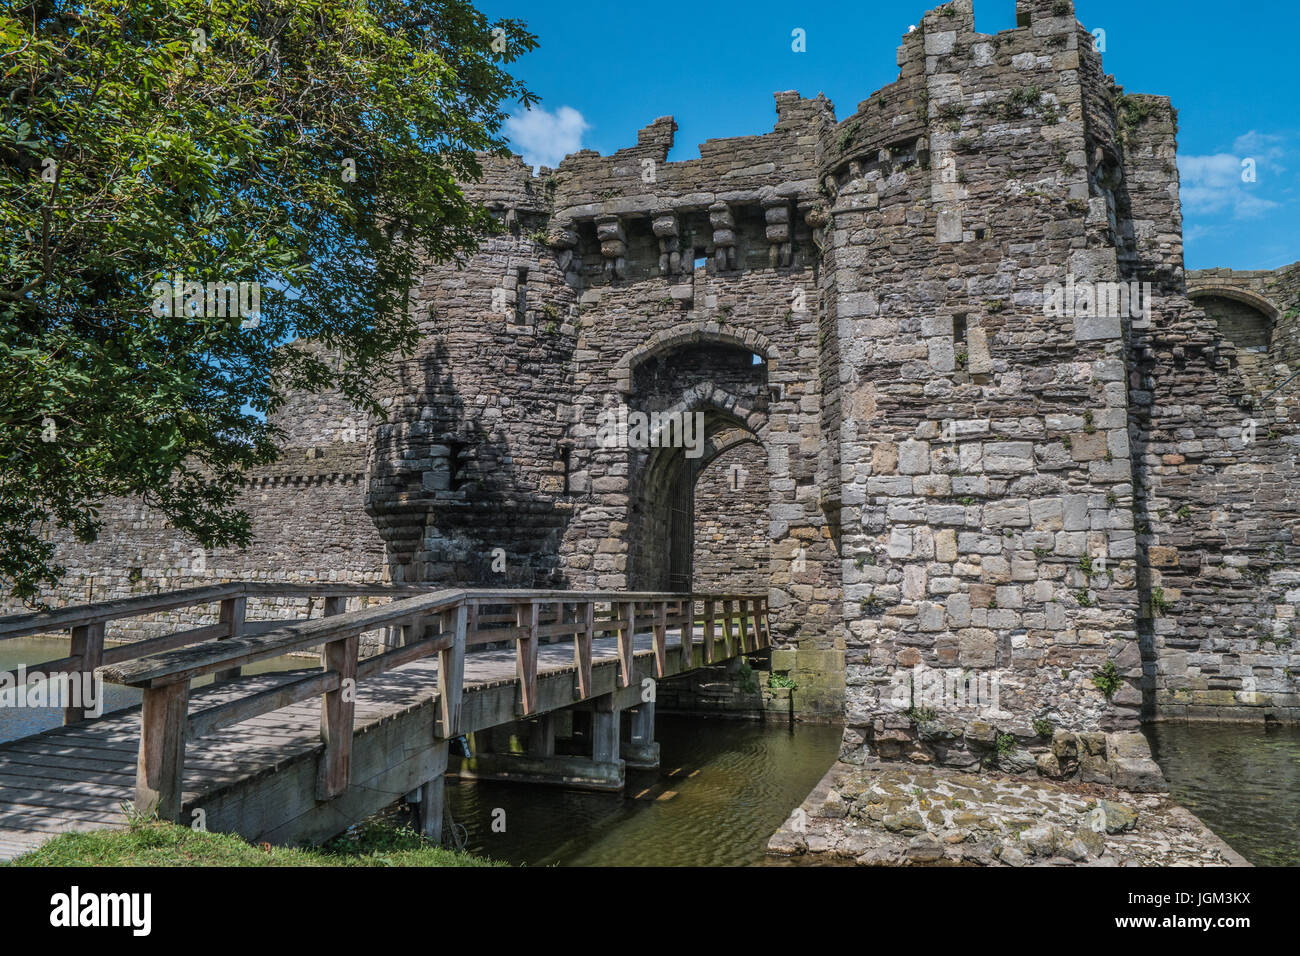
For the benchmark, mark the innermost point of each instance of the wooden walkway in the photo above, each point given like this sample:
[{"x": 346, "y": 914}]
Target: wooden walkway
[{"x": 84, "y": 776}]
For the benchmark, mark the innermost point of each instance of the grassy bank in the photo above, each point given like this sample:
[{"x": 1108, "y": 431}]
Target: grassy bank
[{"x": 166, "y": 844}]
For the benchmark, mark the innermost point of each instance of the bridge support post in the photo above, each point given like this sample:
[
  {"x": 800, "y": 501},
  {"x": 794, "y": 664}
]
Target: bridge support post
[
  {"x": 541, "y": 736},
  {"x": 604, "y": 730},
  {"x": 642, "y": 752},
  {"x": 429, "y": 799},
  {"x": 496, "y": 759}
]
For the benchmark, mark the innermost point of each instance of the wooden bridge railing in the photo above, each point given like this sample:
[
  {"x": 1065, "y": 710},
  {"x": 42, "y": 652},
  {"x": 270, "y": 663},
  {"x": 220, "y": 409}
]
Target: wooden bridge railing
[
  {"x": 88, "y": 623},
  {"x": 446, "y": 623}
]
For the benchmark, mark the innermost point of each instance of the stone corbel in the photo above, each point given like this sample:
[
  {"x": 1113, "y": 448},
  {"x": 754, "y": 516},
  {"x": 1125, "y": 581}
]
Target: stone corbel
[
  {"x": 780, "y": 249},
  {"x": 613, "y": 245},
  {"x": 670, "y": 246},
  {"x": 724, "y": 236},
  {"x": 817, "y": 219},
  {"x": 562, "y": 238}
]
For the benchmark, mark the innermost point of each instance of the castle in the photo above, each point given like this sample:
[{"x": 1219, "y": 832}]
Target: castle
[{"x": 925, "y": 450}]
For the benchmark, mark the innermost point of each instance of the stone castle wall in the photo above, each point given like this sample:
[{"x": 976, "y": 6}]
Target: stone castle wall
[{"x": 941, "y": 473}]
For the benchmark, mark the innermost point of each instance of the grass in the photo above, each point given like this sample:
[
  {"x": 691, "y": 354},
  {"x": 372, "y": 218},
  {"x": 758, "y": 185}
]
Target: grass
[{"x": 156, "y": 843}]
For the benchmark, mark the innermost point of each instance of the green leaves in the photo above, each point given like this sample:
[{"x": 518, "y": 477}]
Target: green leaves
[{"x": 220, "y": 164}]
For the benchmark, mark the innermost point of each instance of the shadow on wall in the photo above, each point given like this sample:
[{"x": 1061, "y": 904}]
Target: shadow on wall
[{"x": 455, "y": 500}]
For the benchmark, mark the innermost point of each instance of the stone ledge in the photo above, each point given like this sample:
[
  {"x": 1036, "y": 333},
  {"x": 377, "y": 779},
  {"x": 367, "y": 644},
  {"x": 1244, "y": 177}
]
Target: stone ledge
[{"x": 891, "y": 814}]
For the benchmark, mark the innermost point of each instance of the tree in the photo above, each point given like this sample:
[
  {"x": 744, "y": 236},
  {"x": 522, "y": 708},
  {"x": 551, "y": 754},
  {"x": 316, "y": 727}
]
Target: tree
[{"x": 154, "y": 155}]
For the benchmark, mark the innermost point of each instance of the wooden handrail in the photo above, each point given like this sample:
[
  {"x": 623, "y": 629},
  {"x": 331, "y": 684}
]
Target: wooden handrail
[
  {"x": 212, "y": 656},
  {"x": 87, "y": 623},
  {"x": 102, "y": 612},
  {"x": 41, "y": 622}
]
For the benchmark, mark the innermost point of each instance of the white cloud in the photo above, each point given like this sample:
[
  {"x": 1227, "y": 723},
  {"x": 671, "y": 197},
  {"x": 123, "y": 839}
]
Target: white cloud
[
  {"x": 1214, "y": 184},
  {"x": 546, "y": 138}
]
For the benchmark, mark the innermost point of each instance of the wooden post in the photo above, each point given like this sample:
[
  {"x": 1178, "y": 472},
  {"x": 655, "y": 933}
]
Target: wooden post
[
  {"x": 661, "y": 638},
  {"x": 336, "y": 716},
  {"x": 745, "y": 639},
  {"x": 430, "y": 809},
  {"x": 451, "y": 669},
  {"x": 232, "y": 614},
  {"x": 161, "y": 760},
  {"x": 767, "y": 624},
  {"x": 686, "y": 609},
  {"x": 87, "y": 645},
  {"x": 727, "y": 641},
  {"x": 526, "y": 656},
  {"x": 412, "y": 632},
  {"x": 708, "y": 631},
  {"x": 471, "y": 619},
  {"x": 626, "y": 632},
  {"x": 429, "y": 797},
  {"x": 582, "y": 648}
]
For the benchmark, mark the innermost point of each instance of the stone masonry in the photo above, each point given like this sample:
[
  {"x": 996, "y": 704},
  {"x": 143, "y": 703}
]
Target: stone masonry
[{"x": 1089, "y": 512}]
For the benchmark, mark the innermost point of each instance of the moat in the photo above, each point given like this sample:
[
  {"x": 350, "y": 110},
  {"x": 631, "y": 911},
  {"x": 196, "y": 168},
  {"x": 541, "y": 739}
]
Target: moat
[
  {"x": 723, "y": 787},
  {"x": 1242, "y": 780}
]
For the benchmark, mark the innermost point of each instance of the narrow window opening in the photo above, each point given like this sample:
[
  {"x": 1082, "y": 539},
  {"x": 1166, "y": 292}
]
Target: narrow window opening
[
  {"x": 959, "y": 329},
  {"x": 565, "y": 460},
  {"x": 521, "y": 295},
  {"x": 456, "y": 465}
]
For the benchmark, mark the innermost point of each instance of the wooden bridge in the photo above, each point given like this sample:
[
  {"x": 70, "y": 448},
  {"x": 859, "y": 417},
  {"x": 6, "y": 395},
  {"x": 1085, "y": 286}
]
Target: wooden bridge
[{"x": 298, "y": 756}]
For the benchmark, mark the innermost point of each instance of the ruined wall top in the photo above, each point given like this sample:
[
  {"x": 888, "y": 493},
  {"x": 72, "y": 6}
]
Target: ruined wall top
[{"x": 806, "y": 144}]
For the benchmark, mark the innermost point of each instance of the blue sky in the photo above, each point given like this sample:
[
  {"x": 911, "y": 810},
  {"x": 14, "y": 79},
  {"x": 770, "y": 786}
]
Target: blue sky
[{"x": 606, "y": 69}]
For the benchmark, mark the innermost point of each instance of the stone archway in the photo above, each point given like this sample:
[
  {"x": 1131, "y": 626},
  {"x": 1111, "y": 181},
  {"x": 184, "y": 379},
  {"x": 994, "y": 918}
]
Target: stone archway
[
  {"x": 664, "y": 500},
  {"x": 721, "y": 388},
  {"x": 685, "y": 336},
  {"x": 1244, "y": 318}
]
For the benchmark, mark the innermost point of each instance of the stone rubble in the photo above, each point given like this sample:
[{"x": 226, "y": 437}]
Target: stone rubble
[{"x": 894, "y": 815}]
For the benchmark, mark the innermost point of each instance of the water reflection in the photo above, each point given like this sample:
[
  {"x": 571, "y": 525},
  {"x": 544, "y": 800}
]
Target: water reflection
[
  {"x": 722, "y": 789},
  {"x": 1243, "y": 780}
]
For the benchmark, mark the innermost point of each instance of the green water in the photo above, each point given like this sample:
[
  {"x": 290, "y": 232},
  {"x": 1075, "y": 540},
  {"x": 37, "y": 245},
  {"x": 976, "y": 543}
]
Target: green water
[
  {"x": 723, "y": 788},
  {"x": 1242, "y": 780},
  {"x": 18, "y": 722}
]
